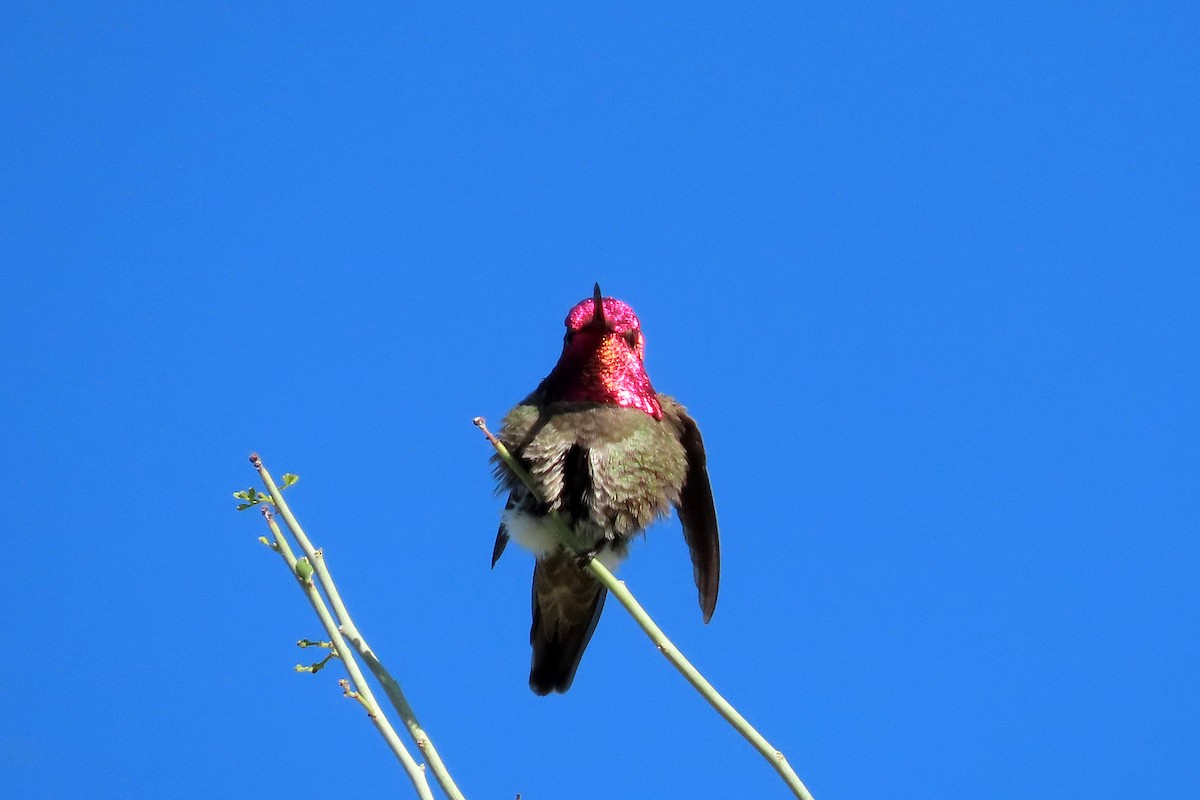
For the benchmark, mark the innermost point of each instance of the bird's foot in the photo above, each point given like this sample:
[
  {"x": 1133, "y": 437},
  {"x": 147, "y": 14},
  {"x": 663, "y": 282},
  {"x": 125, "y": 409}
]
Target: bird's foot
[{"x": 586, "y": 557}]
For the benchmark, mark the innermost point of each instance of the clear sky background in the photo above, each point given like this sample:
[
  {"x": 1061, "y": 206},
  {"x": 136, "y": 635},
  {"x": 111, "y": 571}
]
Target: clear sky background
[{"x": 926, "y": 275}]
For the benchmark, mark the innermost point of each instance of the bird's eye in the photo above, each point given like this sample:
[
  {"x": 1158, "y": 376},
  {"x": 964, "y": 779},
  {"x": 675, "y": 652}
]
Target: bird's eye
[
  {"x": 568, "y": 336},
  {"x": 632, "y": 338}
]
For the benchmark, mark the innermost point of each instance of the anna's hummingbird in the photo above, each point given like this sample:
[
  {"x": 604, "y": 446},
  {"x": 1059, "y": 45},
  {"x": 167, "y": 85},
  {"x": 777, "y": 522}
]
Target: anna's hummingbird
[{"x": 610, "y": 456}]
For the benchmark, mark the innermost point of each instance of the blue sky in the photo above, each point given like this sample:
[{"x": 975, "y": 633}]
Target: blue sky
[{"x": 926, "y": 275}]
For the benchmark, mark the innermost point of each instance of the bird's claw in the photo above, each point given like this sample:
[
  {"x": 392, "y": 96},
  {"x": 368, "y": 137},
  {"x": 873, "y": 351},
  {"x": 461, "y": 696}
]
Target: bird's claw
[{"x": 586, "y": 557}]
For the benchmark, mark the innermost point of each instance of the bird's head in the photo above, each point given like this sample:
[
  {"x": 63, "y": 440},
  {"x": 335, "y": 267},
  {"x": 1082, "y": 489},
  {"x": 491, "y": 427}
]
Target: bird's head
[{"x": 602, "y": 358}]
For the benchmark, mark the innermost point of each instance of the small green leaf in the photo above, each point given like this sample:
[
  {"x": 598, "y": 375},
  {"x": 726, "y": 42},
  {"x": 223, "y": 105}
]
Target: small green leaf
[{"x": 289, "y": 478}]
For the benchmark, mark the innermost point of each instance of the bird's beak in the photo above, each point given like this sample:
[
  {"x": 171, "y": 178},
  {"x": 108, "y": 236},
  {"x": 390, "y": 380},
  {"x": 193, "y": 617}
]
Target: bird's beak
[{"x": 598, "y": 320}]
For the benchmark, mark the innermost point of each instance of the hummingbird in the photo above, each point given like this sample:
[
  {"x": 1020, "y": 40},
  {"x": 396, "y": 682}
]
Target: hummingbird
[{"x": 610, "y": 456}]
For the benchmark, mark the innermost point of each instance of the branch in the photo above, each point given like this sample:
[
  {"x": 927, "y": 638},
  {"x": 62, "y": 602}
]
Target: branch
[
  {"x": 314, "y": 563},
  {"x": 568, "y": 539}
]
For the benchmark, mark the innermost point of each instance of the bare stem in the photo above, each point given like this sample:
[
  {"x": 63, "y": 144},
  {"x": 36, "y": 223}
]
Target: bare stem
[
  {"x": 643, "y": 619},
  {"x": 363, "y": 694},
  {"x": 349, "y": 631}
]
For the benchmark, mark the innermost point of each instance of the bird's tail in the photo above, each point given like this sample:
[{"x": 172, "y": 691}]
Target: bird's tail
[{"x": 567, "y": 602}]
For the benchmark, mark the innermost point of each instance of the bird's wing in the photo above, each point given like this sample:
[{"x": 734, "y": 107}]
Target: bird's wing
[
  {"x": 698, "y": 514},
  {"x": 501, "y": 543},
  {"x": 515, "y": 497}
]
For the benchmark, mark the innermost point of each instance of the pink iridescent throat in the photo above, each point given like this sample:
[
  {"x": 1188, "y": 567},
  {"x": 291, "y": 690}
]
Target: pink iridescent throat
[{"x": 602, "y": 364}]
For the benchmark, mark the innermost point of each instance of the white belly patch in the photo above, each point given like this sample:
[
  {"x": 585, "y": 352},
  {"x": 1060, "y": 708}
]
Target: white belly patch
[{"x": 537, "y": 535}]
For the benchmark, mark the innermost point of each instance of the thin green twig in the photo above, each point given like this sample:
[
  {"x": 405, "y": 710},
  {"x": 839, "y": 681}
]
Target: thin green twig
[
  {"x": 363, "y": 694},
  {"x": 666, "y": 647},
  {"x": 347, "y": 628}
]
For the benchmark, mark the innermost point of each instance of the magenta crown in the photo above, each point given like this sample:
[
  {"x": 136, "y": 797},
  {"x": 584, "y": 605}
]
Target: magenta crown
[{"x": 617, "y": 314}]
